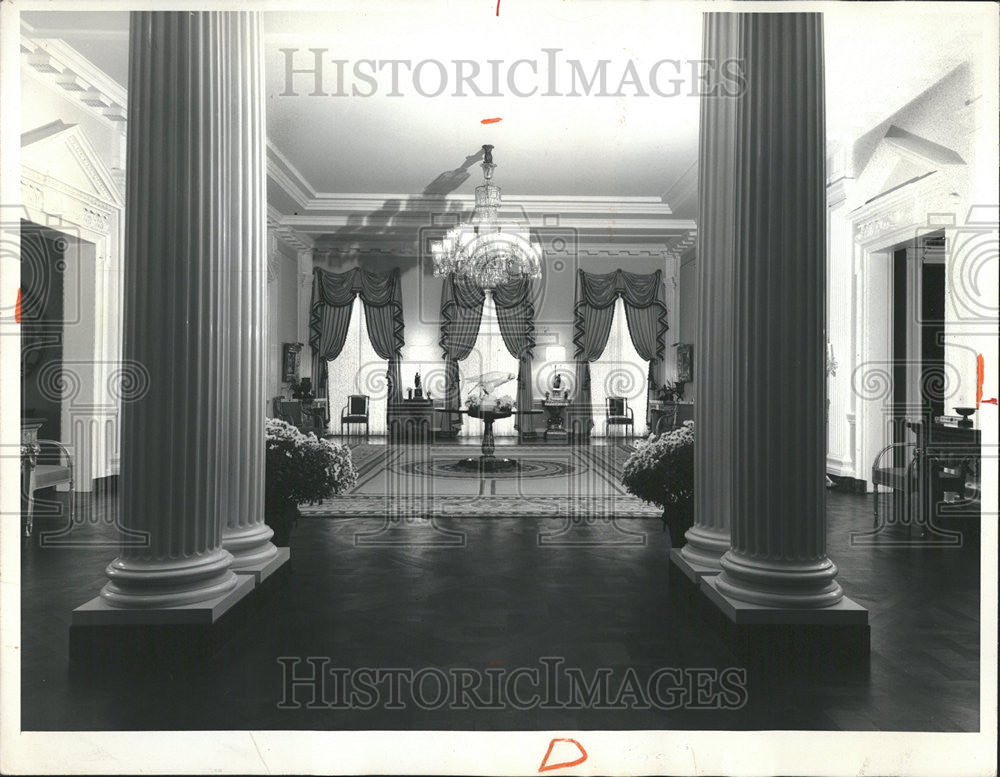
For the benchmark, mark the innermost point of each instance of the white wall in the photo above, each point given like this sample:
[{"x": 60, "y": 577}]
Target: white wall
[
  {"x": 870, "y": 210},
  {"x": 74, "y": 184},
  {"x": 282, "y": 311}
]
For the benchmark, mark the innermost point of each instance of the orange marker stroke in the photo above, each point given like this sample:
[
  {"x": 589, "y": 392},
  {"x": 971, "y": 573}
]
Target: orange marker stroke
[{"x": 546, "y": 766}]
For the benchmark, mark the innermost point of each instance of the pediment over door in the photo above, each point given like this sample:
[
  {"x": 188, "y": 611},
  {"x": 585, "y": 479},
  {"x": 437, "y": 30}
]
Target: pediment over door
[
  {"x": 901, "y": 160},
  {"x": 63, "y": 175}
]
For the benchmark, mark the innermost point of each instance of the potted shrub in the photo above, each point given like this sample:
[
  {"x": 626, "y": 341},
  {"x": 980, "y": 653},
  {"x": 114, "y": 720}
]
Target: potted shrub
[
  {"x": 661, "y": 471},
  {"x": 300, "y": 468}
]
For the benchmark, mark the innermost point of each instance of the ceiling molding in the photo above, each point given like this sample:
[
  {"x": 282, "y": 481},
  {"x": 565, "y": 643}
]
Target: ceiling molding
[{"x": 288, "y": 178}]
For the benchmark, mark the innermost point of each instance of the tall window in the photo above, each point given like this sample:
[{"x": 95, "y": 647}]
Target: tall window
[
  {"x": 358, "y": 370},
  {"x": 489, "y": 355},
  {"x": 619, "y": 371}
]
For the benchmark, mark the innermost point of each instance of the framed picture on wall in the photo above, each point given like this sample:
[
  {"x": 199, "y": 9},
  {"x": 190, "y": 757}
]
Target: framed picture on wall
[
  {"x": 685, "y": 362},
  {"x": 290, "y": 362}
]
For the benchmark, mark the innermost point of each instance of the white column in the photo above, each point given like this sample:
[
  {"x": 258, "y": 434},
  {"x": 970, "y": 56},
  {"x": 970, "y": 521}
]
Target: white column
[
  {"x": 193, "y": 312},
  {"x": 245, "y": 534},
  {"x": 717, "y": 403},
  {"x": 778, "y": 555}
]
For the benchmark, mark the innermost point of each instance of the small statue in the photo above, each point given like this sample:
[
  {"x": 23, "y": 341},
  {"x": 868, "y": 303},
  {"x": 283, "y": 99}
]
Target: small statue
[
  {"x": 302, "y": 390},
  {"x": 557, "y": 382},
  {"x": 416, "y": 380}
]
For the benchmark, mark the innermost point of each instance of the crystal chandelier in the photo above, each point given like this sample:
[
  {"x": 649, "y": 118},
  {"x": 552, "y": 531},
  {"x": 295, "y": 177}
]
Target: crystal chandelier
[{"x": 484, "y": 250}]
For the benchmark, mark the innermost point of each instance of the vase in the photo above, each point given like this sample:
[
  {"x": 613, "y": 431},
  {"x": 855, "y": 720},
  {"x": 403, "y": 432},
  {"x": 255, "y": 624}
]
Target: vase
[
  {"x": 678, "y": 517},
  {"x": 281, "y": 515}
]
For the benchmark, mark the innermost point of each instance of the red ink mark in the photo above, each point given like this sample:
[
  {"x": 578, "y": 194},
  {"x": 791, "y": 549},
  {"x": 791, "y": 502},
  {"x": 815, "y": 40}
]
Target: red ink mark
[
  {"x": 498, "y": 7},
  {"x": 546, "y": 766},
  {"x": 17, "y": 308},
  {"x": 491, "y": 121},
  {"x": 992, "y": 401},
  {"x": 980, "y": 370}
]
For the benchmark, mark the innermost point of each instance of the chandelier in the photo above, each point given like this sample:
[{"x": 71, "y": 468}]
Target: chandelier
[{"x": 485, "y": 250}]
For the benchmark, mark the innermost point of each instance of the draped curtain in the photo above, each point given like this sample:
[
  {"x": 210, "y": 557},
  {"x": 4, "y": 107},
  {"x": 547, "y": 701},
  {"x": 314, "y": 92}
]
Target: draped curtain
[
  {"x": 620, "y": 372},
  {"x": 461, "y": 313},
  {"x": 644, "y": 298},
  {"x": 330, "y": 313},
  {"x": 358, "y": 369}
]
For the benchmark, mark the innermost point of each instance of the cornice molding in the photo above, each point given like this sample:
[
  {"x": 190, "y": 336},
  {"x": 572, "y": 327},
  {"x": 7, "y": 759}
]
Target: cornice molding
[
  {"x": 65, "y": 69},
  {"x": 281, "y": 170}
]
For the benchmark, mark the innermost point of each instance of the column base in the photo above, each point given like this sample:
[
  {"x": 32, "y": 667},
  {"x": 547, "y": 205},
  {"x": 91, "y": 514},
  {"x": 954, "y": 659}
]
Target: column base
[
  {"x": 844, "y": 612},
  {"x": 149, "y": 639},
  {"x": 141, "y": 583},
  {"x": 834, "y": 639},
  {"x": 98, "y": 612},
  {"x": 705, "y": 548},
  {"x": 264, "y": 569},
  {"x": 779, "y": 584},
  {"x": 251, "y": 546},
  {"x": 691, "y": 567}
]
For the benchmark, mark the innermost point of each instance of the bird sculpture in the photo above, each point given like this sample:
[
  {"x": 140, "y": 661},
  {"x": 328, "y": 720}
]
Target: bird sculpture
[{"x": 488, "y": 381}]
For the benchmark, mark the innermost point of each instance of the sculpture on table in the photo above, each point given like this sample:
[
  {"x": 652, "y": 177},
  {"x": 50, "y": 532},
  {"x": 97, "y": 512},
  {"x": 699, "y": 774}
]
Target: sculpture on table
[
  {"x": 488, "y": 381},
  {"x": 558, "y": 391},
  {"x": 418, "y": 391},
  {"x": 302, "y": 390},
  {"x": 481, "y": 395}
]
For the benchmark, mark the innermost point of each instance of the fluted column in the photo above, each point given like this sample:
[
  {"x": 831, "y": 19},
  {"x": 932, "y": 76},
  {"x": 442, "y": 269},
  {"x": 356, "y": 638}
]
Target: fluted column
[
  {"x": 714, "y": 411},
  {"x": 778, "y": 554},
  {"x": 244, "y": 264},
  {"x": 193, "y": 268}
]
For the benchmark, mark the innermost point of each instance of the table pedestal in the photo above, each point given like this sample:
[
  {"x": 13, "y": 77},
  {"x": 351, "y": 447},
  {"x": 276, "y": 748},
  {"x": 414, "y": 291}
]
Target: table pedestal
[{"x": 488, "y": 462}]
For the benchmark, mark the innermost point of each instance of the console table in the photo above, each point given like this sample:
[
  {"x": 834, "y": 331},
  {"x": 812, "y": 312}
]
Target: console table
[
  {"x": 411, "y": 420},
  {"x": 555, "y": 410},
  {"x": 947, "y": 460},
  {"x": 665, "y": 416}
]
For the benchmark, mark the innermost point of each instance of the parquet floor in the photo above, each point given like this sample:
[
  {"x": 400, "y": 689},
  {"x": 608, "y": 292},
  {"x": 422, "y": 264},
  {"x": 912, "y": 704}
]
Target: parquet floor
[{"x": 504, "y": 598}]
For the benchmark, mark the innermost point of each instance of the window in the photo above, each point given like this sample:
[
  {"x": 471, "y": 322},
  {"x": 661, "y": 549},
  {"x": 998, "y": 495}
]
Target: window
[
  {"x": 488, "y": 355},
  {"x": 619, "y": 371},
  {"x": 358, "y": 370}
]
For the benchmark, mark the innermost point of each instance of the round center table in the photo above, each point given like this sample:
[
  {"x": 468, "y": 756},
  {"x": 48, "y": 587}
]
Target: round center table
[{"x": 487, "y": 462}]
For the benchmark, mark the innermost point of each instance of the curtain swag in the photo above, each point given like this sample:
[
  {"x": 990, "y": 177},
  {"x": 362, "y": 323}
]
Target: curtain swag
[
  {"x": 645, "y": 311},
  {"x": 461, "y": 314},
  {"x": 330, "y": 313}
]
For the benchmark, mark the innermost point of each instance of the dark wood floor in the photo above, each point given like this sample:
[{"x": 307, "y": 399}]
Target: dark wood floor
[{"x": 502, "y": 599}]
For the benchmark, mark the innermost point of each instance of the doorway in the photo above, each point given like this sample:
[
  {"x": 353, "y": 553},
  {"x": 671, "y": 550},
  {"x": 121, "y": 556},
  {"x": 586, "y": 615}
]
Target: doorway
[
  {"x": 918, "y": 302},
  {"x": 43, "y": 267}
]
